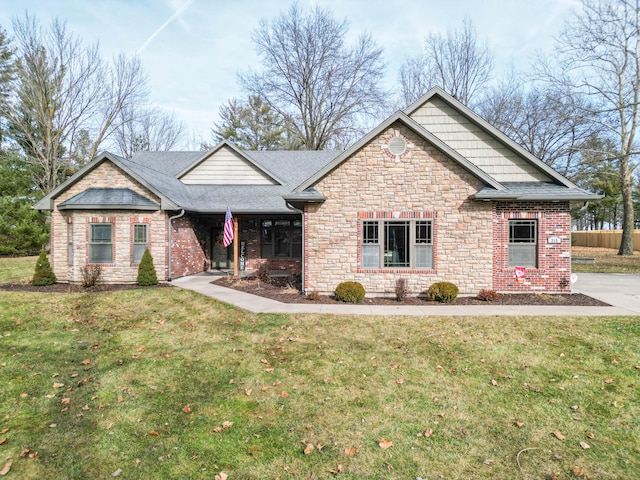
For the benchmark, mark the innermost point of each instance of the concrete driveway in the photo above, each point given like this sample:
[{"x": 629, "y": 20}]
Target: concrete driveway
[{"x": 618, "y": 289}]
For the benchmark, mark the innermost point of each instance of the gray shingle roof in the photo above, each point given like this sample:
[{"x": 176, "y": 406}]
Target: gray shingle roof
[
  {"x": 109, "y": 198},
  {"x": 160, "y": 169},
  {"x": 523, "y": 191}
]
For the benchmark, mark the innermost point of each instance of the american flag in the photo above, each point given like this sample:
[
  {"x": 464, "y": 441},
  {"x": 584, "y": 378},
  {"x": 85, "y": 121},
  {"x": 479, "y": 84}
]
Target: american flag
[{"x": 228, "y": 229}]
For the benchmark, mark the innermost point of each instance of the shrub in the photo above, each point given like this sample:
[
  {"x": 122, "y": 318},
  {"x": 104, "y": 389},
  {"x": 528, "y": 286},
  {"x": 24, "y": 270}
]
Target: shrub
[
  {"x": 146, "y": 271},
  {"x": 43, "y": 275},
  {"x": 350, "y": 292},
  {"x": 90, "y": 275},
  {"x": 487, "y": 295},
  {"x": 401, "y": 289},
  {"x": 314, "y": 296},
  {"x": 443, "y": 292}
]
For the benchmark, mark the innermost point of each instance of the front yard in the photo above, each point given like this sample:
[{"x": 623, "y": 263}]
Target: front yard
[{"x": 165, "y": 383}]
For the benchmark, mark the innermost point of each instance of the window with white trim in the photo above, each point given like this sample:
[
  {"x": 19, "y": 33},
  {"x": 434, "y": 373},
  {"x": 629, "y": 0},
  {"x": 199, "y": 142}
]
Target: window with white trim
[
  {"x": 139, "y": 241},
  {"x": 100, "y": 243},
  {"x": 397, "y": 244},
  {"x": 523, "y": 244}
]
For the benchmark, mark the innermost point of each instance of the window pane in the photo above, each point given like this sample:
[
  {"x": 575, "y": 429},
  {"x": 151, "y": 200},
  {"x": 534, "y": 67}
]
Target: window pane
[
  {"x": 522, "y": 231},
  {"x": 370, "y": 256},
  {"x": 369, "y": 232},
  {"x": 100, "y": 253},
  {"x": 101, "y": 233},
  {"x": 522, "y": 255},
  {"x": 396, "y": 244},
  {"x": 282, "y": 241},
  {"x": 138, "y": 251},
  {"x": 139, "y": 234},
  {"x": 424, "y": 256},
  {"x": 423, "y": 232},
  {"x": 296, "y": 243}
]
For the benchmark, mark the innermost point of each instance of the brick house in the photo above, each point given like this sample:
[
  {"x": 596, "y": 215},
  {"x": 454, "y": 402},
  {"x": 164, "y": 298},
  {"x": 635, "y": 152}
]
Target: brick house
[{"x": 433, "y": 193}]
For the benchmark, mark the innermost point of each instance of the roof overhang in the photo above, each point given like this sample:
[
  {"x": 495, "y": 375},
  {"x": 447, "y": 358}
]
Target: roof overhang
[{"x": 47, "y": 202}]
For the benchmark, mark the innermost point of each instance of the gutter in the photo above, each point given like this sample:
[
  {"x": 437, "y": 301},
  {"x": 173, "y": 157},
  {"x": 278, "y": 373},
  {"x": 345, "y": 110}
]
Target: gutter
[
  {"x": 301, "y": 212},
  {"x": 170, "y": 220}
]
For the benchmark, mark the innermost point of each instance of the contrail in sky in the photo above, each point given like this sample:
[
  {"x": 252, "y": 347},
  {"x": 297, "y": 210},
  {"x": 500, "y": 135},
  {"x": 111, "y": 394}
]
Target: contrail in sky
[{"x": 175, "y": 15}]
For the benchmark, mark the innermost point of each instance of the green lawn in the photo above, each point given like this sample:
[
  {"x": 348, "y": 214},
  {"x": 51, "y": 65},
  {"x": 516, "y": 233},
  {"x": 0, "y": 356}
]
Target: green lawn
[
  {"x": 166, "y": 383},
  {"x": 17, "y": 269}
]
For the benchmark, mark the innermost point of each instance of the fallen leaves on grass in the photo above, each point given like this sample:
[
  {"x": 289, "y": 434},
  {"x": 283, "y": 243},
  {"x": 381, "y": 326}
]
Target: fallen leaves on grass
[
  {"x": 585, "y": 445},
  {"x": 350, "y": 451},
  {"x": 186, "y": 409},
  {"x": 309, "y": 448},
  {"x": 337, "y": 470},
  {"x": 5, "y": 470},
  {"x": 558, "y": 434},
  {"x": 384, "y": 444},
  {"x": 4, "y": 440},
  {"x": 57, "y": 385},
  {"x": 153, "y": 433},
  {"x": 577, "y": 472},
  {"x": 221, "y": 476}
]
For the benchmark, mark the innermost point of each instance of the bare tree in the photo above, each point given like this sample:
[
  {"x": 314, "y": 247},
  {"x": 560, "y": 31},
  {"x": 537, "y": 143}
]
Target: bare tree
[
  {"x": 322, "y": 88},
  {"x": 542, "y": 121},
  {"x": 62, "y": 92},
  {"x": 598, "y": 59},
  {"x": 146, "y": 129},
  {"x": 457, "y": 62}
]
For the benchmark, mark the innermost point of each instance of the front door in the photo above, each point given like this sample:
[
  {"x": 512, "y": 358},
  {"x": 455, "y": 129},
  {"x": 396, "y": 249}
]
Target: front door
[{"x": 221, "y": 257}]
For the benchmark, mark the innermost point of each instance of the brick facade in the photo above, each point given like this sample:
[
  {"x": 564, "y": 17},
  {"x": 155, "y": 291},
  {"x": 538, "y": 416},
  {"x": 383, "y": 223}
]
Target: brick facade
[
  {"x": 423, "y": 183},
  {"x": 553, "y": 272},
  {"x": 77, "y": 225}
]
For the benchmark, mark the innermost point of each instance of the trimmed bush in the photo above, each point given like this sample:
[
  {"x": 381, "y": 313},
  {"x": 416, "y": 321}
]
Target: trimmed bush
[
  {"x": 146, "y": 271},
  {"x": 43, "y": 275},
  {"x": 90, "y": 275},
  {"x": 443, "y": 292},
  {"x": 350, "y": 292},
  {"x": 487, "y": 295}
]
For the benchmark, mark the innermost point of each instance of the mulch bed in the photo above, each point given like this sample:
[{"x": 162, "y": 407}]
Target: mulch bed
[{"x": 281, "y": 290}]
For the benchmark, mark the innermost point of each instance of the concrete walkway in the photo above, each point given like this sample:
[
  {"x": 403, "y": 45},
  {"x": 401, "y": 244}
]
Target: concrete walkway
[{"x": 620, "y": 291}]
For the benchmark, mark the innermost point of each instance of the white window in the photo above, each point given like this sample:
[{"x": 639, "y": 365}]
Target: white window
[
  {"x": 523, "y": 251},
  {"x": 100, "y": 243},
  {"x": 139, "y": 241},
  {"x": 397, "y": 244}
]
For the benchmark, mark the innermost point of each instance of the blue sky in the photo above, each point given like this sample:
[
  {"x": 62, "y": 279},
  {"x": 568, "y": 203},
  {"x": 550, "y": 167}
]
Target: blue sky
[{"x": 192, "y": 50}]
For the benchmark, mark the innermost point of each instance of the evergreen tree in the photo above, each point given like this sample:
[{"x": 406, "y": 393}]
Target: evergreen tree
[
  {"x": 43, "y": 274},
  {"x": 146, "y": 271}
]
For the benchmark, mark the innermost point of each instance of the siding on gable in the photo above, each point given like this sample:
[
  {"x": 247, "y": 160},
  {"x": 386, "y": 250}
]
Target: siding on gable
[
  {"x": 226, "y": 167},
  {"x": 476, "y": 145}
]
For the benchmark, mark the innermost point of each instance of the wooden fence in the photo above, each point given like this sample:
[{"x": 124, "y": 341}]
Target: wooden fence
[{"x": 602, "y": 238}]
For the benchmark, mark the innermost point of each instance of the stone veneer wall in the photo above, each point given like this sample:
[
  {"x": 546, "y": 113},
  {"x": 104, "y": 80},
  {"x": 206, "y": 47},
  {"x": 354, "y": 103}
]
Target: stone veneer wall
[
  {"x": 122, "y": 270},
  {"x": 422, "y": 182},
  {"x": 553, "y": 273}
]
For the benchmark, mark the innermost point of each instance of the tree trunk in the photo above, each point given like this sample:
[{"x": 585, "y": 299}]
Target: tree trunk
[{"x": 626, "y": 243}]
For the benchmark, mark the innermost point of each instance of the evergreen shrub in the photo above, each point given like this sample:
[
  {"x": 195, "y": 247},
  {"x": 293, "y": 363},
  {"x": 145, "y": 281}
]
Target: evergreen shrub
[
  {"x": 350, "y": 292},
  {"x": 443, "y": 292},
  {"x": 146, "y": 271}
]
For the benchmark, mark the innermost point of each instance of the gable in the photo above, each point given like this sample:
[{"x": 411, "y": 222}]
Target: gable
[
  {"x": 475, "y": 143},
  {"x": 226, "y": 166}
]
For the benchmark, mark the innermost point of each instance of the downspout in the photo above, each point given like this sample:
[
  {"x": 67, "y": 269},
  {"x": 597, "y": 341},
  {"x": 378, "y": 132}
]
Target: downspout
[
  {"x": 170, "y": 220},
  {"x": 301, "y": 212}
]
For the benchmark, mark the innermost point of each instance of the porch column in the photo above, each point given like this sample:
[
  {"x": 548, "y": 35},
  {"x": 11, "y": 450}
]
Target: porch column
[{"x": 236, "y": 243}]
